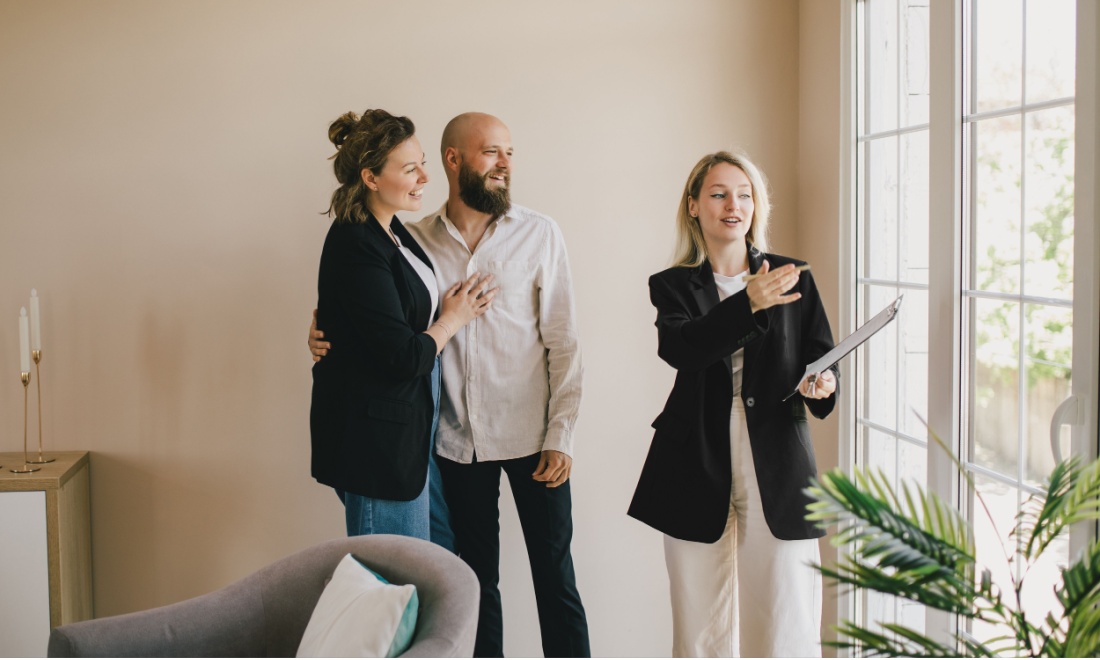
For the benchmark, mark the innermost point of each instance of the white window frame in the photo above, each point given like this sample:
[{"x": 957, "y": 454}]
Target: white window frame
[{"x": 946, "y": 245}]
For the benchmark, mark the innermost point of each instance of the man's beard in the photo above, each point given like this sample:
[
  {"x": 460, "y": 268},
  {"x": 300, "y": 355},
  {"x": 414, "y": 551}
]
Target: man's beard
[{"x": 472, "y": 189}]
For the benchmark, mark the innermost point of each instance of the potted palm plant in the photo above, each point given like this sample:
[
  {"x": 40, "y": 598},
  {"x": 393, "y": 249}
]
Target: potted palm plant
[{"x": 914, "y": 546}]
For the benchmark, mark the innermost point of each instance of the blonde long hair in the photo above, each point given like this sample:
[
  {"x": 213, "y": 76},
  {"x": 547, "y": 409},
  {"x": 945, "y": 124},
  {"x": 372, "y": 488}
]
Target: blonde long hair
[{"x": 691, "y": 248}]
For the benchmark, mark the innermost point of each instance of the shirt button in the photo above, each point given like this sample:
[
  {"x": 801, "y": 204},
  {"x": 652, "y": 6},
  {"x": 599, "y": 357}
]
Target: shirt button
[{"x": 750, "y": 402}]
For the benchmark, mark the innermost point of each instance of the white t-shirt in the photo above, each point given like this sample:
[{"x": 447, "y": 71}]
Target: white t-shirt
[{"x": 425, "y": 272}]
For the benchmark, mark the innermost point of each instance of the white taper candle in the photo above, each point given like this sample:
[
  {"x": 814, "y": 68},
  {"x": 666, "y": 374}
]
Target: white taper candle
[{"x": 24, "y": 342}]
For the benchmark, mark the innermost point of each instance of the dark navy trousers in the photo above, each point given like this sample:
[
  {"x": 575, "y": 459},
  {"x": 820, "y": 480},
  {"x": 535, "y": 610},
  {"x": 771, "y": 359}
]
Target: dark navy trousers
[{"x": 545, "y": 514}]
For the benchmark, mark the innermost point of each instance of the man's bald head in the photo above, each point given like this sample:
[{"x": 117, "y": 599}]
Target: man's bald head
[
  {"x": 477, "y": 158},
  {"x": 459, "y": 130}
]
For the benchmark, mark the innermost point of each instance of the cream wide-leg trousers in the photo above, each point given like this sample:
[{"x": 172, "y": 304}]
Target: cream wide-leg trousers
[{"x": 749, "y": 594}]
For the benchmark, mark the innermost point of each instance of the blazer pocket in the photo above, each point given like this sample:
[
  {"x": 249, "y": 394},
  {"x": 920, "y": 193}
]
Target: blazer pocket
[
  {"x": 798, "y": 409},
  {"x": 390, "y": 410},
  {"x": 670, "y": 424}
]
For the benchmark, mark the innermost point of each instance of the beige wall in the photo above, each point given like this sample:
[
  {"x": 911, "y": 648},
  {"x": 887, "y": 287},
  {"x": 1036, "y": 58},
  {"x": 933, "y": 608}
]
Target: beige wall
[{"x": 162, "y": 166}]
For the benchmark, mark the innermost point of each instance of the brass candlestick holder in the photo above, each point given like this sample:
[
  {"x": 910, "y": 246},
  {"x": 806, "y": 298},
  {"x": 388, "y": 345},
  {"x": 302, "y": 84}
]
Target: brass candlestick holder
[
  {"x": 25, "y": 376},
  {"x": 41, "y": 460}
]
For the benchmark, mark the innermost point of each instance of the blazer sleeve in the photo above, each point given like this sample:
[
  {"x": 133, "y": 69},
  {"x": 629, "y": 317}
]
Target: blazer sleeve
[
  {"x": 817, "y": 340},
  {"x": 368, "y": 296},
  {"x": 688, "y": 341}
]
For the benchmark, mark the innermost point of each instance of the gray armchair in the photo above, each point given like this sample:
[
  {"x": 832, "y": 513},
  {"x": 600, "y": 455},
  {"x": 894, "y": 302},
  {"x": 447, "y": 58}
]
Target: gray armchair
[{"x": 265, "y": 614}]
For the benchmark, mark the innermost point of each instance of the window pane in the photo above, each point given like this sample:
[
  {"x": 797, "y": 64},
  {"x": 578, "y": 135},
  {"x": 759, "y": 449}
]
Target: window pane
[
  {"x": 882, "y": 65},
  {"x": 1038, "y": 591},
  {"x": 900, "y": 462},
  {"x": 914, "y": 208},
  {"x": 881, "y": 362},
  {"x": 995, "y": 225},
  {"x": 990, "y": 537},
  {"x": 1050, "y": 353},
  {"x": 915, "y": 103},
  {"x": 1048, "y": 191},
  {"x": 880, "y": 250},
  {"x": 862, "y": 156},
  {"x": 913, "y": 326},
  {"x": 994, "y": 417},
  {"x": 912, "y": 465},
  {"x": 1051, "y": 45},
  {"x": 998, "y": 54},
  {"x": 879, "y": 608},
  {"x": 882, "y": 454}
]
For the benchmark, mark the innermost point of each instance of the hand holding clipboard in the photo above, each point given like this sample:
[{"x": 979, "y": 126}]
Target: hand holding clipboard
[{"x": 850, "y": 343}]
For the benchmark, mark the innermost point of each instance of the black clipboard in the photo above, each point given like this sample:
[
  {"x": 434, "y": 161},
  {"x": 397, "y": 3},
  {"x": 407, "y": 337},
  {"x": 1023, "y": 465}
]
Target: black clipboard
[{"x": 851, "y": 342}]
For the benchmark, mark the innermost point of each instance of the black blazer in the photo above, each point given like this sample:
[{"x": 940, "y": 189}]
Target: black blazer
[
  {"x": 371, "y": 414},
  {"x": 684, "y": 489}
]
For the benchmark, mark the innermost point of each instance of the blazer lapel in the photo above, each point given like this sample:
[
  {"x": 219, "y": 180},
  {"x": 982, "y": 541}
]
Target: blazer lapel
[
  {"x": 752, "y": 349},
  {"x": 756, "y": 258},
  {"x": 703, "y": 289},
  {"x": 408, "y": 241},
  {"x": 415, "y": 297},
  {"x": 705, "y": 292}
]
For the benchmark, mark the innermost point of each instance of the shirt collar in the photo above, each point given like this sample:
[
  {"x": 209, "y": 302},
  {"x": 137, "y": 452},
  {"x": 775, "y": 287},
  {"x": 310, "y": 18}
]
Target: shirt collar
[{"x": 441, "y": 214}]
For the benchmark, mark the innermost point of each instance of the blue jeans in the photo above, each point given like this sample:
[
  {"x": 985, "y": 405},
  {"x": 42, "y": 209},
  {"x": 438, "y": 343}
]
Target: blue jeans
[
  {"x": 439, "y": 513},
  {"x": 374, "y": 515},
  {"x": 425, "y": 517}
]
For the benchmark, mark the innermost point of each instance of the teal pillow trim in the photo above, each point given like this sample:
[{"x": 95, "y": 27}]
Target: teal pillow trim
[{"x": 402, "y": 639}]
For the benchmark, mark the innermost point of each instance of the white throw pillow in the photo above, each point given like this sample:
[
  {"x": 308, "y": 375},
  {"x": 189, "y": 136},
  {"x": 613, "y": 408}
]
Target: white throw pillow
[{"x": 359, "y": 614}]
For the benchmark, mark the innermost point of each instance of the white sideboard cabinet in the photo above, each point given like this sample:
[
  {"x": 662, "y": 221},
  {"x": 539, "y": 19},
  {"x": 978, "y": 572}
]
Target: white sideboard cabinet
[{"x": 45, "y": 550}]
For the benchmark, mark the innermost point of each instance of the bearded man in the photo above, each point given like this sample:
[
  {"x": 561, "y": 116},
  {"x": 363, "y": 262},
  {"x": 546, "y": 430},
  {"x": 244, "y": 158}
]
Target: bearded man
[{"x": 511, "y": 383}]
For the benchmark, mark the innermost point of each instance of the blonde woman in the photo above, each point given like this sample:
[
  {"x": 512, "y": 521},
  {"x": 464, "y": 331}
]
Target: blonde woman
[{"x": 732, "y": 453}]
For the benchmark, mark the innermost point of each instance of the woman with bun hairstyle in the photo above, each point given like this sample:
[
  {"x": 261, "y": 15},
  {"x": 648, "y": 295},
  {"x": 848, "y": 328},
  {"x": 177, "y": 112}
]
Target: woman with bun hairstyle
[
  {"x": 375, "y": 397},
  {"x": 732, "y": 453}
]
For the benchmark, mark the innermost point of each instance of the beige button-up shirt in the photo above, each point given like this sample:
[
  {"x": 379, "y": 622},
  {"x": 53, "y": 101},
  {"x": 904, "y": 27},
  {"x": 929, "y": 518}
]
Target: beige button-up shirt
[{"x": 511, "y": 378}]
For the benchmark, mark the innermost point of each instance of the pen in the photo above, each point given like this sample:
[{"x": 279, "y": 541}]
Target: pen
[{"x": 749, "y": 278}]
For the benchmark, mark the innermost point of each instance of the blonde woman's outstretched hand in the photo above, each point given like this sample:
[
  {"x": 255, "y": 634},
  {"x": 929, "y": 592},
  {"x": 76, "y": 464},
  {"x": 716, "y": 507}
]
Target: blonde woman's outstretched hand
[{"x": 769, "y": 287}]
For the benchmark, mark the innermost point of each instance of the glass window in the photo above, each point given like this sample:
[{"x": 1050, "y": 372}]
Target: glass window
[
  {"x": 1016, "y": 290},
  {"x": 893, "y": 250},
  {"x": 1019, "y": 141}
]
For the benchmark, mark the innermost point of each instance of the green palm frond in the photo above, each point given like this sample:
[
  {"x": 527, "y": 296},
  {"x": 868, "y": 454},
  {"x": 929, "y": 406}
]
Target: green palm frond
[
  {"x": 899, "y": 641},
  {"x": 1080, "y": 588},
  {"x": 917, "y": 640},
  {"x": 971, "y": 648},
  {"x": 1039, "y": 519},
  {"x": 933, "y": 540},
  {"x": 1077, "y": 629},
  {"x": 1055, "y": 643},
  {"x": 1072, "y": 495},
  {"x": 904, "y": 643},
  {"x": 1000, "y": 646},
  {"x": 1083, "y": 637},
  {"x": 947, "y": 595},
  {"x": 911, "y": 545}
]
